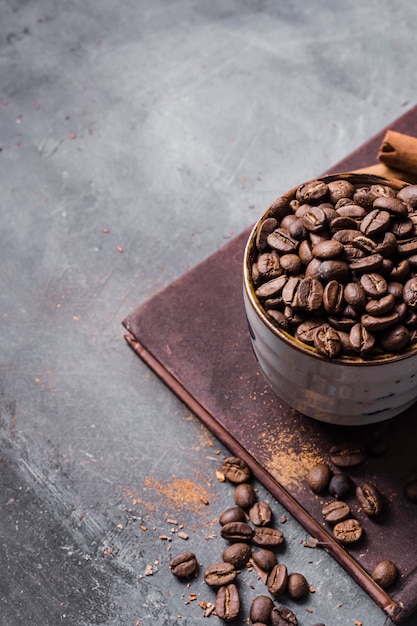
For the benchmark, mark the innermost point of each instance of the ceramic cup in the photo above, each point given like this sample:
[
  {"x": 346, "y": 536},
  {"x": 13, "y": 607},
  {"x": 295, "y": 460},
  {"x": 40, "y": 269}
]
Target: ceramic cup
[{"x": 346, "y": 390}]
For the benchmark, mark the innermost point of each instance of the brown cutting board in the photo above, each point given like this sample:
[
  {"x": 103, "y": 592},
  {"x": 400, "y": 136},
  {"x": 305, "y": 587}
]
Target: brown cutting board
[{"x": 194, "y": 335}]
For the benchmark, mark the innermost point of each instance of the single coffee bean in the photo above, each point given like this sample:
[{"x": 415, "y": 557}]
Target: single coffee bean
[
  {"x": 267, "y": 537},
  {"x": 280, "y": 207},
  {"x": 227, "y": 603},
  {"x": 386, "y": 244},
  {"x": 327, "y": 341},
  {"x": 237, "y": 532},
  {"x": 310, "y": 294},
  {"x": 385, "y": 573},
  {"x": 392, "y": 205},
  {"x": 282, "y": 241},
  {"x": 283, "y": 616},
  {"x": 264, "y": 559},
  {"x": 234, "y": 514},
  {"x": 306, "y": 330},
  {"x": 375, "y": 222},
  {"x": 318, "y": 477},
  {"x": 260, "y": 514},
  {"x": 312, "y": 191},
  {"x": 328, "y": 249},
  {"x": 361, "y": 339},
  {"x": 238, "y": 554},
  {"x": 348, "y": 531},
  {"x": 369, "y": 499},
  {"x": 381, "y": 306},
  {"x": 297, "y": 586},
  {"x": 244, "y": 496},
  {"x": 407, "y": 248},
  {"x": 408, "y": 195},
  {"x": 338, "y": 189},
  {"x": 400, "y": 270},
  {"x": 290, "y": 291},
  {"x": 265, "y": 229},
  {"x": 313, "y": 269},
  {"x": 333, "y": 297},
  {"x": 236, "y": 470},
  {"x": 366, "y": 244},
  {"x": 376, "y": 323},
  {"x": 374, "y": 284},
  {"x": 277, "y": 580},
  {"x": 340, "y": 485},
  {"x": 367, "y": 264},
  {"x": 379, "y": 190},
  {"x": 402, "y": 229},
  {"x": 219, "y": 574},
  {"x": 395, "y": 338},
  {"x": 269, "y": 265},
  {"x": 347, "y": 454},
  {"x": 305, "y": 252},
  {"x": 354, "y": 211},
  {"x": 342, "y": 222},
  {"x": 291, "y": 264},
  {"x": 184, "y": 565},
  {"x": 410, "y": 293},
  {"x": 334, "y": 269},
  {"x": 297, "y": 230},
  {"x": 260, "y": 610},
  {"x": 410, "y": 490},
  {"x": 279, "y": 319},
  {"x": 335, "y": 512},
  {"x": 355, "y": 295}
]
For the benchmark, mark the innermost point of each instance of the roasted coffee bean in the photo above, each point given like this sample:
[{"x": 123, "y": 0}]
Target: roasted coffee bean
[
  {"x": 281, "y": 240},
  {"x": 283, "y": 616},
  {"x": 234, "y": 514},
  {"x": 342, "y": 222},
  {"x": 379, "y": 190},
  {"x": 260, "y": 514},
  {"x": 265, "y": 229},
  {"x": 340, "y": 485},
  {"x": 375, "y": 222},
  {"x": 392, "y": 205},
  {"x": 334, "y": 269},
  {"x": 338, "y": 189},
  {"x": 386, "y": 245},
  {"x": 244, "y": 496},
  {"x": 184, "y": 565},
  {"x": 269, "y": 265},
  {"x": 313, "y": 269},
  {"x": 280, "y": 207},
  {"x": 410, "y": 490},
  {"x": 291, "y": 264},
  {"x": 355, "y": 295},
  {"x": 328, "y": 249},
  {"x": 238, "y": 554},
  {"x": 395, "y": 338},
  {"x": 367, "y": 264},
  {"x": 335, "y": 512},
  {"x": 219, "y": 574},
  {"x": 347, "y": 454},
  {"x": 410, "y": 293},
  {"x": 267, "y": 537},
  {"x": 318, "y": 477},
  {"x": 312, "y": 191},
  {"x": 237, "y": 532},
  {"x": 407, "y": 248},
  {"x": 297, "y": 586},
  {"x": 364, "y": 243},
  {"x": 327, "y": 341},
  {"x": 310, "y": 294},
  {"x": 374, "y": 284},
  {"x": 369, "y": 499},
  {"x": 279, "y": 319},
  {"x": 297, "y": 230},
  {"x": 348, "y": 531},
  {"x": 264, "y": 559},
  {"x": 381, "y": 306},
  {"x": 385, "y": 573},
  {"x": 333, "y": 297},
  {"x": 227, "y": 603},
  {"x": 260, "y": 610},
  {"x": 376, "y": 323},
  {"x": 277, "y": 580},
  {"x": 400, "y": 271},
  {"x": 305, "y": 252},
  {"x": 361, "y": 339},
  {"x": 408, "y": 195},
  {"x": 290, "y": 291},
  {"x": 306, "y": 330},
  {"x": 402, "y": 229},
  {"x": 236, "y": 470}
]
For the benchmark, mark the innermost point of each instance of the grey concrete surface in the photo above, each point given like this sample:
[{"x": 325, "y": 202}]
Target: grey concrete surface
[{"x": 136, "y": 138}]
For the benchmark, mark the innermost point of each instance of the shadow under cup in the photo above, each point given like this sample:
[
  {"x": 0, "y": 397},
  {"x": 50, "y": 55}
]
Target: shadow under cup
[{"x": 344, "y": 390}]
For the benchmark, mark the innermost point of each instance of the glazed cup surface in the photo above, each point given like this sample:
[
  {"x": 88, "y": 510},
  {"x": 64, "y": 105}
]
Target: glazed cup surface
[{"x": 345, "y": 390}]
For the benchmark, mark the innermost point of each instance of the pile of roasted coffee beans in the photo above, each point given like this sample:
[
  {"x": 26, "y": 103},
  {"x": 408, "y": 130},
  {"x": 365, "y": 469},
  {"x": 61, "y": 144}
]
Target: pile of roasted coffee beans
[
  {"x": 335, "y": 265},
  {"x": 252, "y": 540},
  {"x": 333, "y": 479}
]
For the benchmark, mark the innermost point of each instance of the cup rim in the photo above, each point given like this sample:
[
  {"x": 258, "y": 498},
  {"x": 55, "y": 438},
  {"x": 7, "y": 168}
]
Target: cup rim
[{"x": 280, "y": 333}]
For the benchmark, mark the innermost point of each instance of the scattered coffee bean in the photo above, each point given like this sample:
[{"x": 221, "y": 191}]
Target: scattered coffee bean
[
  {"x": 318, "y": 477},
  {"x": 238, "y": 554},
  {"x": 244, "y": 495},
  {"x": 277, "y": 580},
  {"x": 340, "y": 485},
  {"x": 411, "y": 490},
  {"x": 283, "y": 616},
  {"x": 237, "y": 532},
  {"x": 234, "y": 514},
  {"x": 385, "y": 573},
  {"x": 297, "y": 586},
  {"x": 267, "y": 537},
  {"x": 369, "y": 498},
  {"x": 184, "y": 565},
  {"x": 348, "y": 531},
  {"x": 264, "y": 559},
  {"x": 347, "y": 454},
  {"x": 260, "y": 610},
  {"x": 219, "y": 574},
  {"x": 260, "y": 514},
  {"x": 335, "y": 512},
  {"x": 227, "y": 602},
  {"x": 236, "y": 470}
]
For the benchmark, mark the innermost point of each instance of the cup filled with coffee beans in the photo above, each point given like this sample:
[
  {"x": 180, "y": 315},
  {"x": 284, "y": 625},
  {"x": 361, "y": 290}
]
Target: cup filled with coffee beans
[{"x": 330, "y": 295}]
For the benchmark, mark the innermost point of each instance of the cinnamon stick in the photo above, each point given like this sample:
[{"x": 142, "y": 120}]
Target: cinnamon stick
[{"x": 399, "y": 152}]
